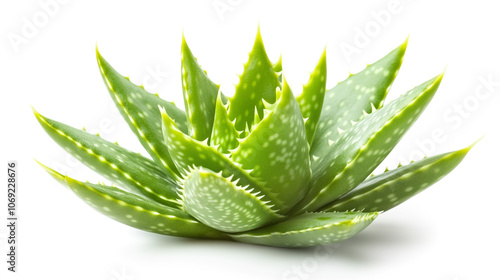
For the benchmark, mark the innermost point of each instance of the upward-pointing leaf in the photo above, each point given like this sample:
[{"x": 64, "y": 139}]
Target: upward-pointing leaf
[
  {"x": 200, "y": 95},
  {"x": 361, "y": 148},
  {"x": 311, "y": 99},
  {"x": 277, "y": 152},
  {"x": 258, "y": 81},
  {"x": 188, "y": 153},
  {"x": 115, "y": 163},
  {"x": 278, "y": 65},
  {"x": 347, "y": 101},
  {"x": 140, "y": 109},
  {"x": 224, "y": 135}
]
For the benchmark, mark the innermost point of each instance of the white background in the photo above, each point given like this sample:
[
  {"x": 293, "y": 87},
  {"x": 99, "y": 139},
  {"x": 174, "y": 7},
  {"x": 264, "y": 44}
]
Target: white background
[{"x": 448, "y": 232}]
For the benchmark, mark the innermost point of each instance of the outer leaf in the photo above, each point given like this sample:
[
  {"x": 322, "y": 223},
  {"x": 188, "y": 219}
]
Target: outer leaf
[
  {"x": 141, "y": 213},
  {"x": 347, "y": 101},
  {"x": 200, "y": 95},
  {"x": 391, "y": 188},
  {"x": 224, "y": 205},
  {"x": 140, "y": 109},
  {"x": 224, "y": 135},
  {"x": 115, "y": 163},
  {"x": 188, "y": 152},
  {"x": 311, "y": 99},
  {"x": 309, "y": 229},
  {"x": 361, "y": 148},
  {"x": 277, "y": 152},
  {"x": 258, "y": 81},
  {"x": 54, "y": 174}
]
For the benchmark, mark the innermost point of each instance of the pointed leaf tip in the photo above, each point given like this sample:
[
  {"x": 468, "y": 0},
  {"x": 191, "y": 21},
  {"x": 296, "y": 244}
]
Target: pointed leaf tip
[
  {"x": 340, "y": 170},
  {"x": 200, "y": 95},
  {"x": 257, "y": 82},
  {"x": 354, "y": 96},
  {"x": 312, "y": 97},
  {"x": 138, "y": 212},
  {"x": 56, "y": 175},
  {"x": 391, "y": 188}
]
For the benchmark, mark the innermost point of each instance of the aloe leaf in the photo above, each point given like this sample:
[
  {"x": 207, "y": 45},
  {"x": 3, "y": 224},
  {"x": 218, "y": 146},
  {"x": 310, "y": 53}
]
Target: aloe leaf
[
  {"x": 258, "y": 81},
  {"x": 200, "y": 95},
  {"x": 348, "y": 100},
  {"x": 278, "y": 65},
  {"x": 277, "y": 152},
  {"x": 362, "y": 147},
  {"x": 311, "y": 99},
  {"x": 139, "y": 108},
  {"x": 224, "y": 135},
  {"x": 310, "y": 229},
  {"x": 115, "y": 163},
  {"x": 391, "y": 188},
  {"x": 188, "y": 153},
  {"x": 54, "y": 174},
  {"x": 141, "y": 213},
  {"x": 224, "y": 204}
]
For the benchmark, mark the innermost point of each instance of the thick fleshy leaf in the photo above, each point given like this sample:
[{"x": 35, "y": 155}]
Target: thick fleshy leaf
[
  {"x": 360, "y": 149},
  {"x": 188, "y": 153},
  {"x": 140, "y": 109},
  {"x": 278, "y": 153},
  {"x": 141, "y": 213},
  {"x": 391, "y": 188},
  {"x": 258, "y": 82},
  {"x": 311, "y": 99},
  {"x": 200, "y": 95},
  {"x": 348, "y": 100},
  {"x": 115, "y": 163},
  {"x": 224, "y": 204},
  {"x": 310, "y": 229},
  {"x": 278, "y": 65},
  {"x": 224, "y": 135}
]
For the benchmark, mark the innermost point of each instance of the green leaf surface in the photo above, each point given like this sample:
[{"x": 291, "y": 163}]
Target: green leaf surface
[
  {"x": 224, "y": 204},
  {"x": 311, "y": 99},
  {"x": 258, "y": 82},
  {"x": 277, "y": 152},
  {"x": 54, "y": 174},
  {"x": 200, "y": 95},
  {"x": 115, "y": 163},
  {"x": 310, "y": 229},
  {"x": 360, "y": 149},
  {"x": 391, "y": 188},
  {"x": 188, "y": 153},
  {"x": 224, "y": 135},
  {"x": 141, "y": 213},
  {"x": 139, "y": 108},
  {"x": 278, "y": 65},
  {"x": 348, "y": 100}
]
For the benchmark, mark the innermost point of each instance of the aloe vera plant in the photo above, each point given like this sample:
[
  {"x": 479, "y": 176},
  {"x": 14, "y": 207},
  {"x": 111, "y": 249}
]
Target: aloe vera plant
[{"x": 263, "y": 166}]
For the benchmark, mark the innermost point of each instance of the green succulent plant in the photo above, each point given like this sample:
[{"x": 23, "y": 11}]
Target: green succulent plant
[{"x": 260, "y": 167}]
